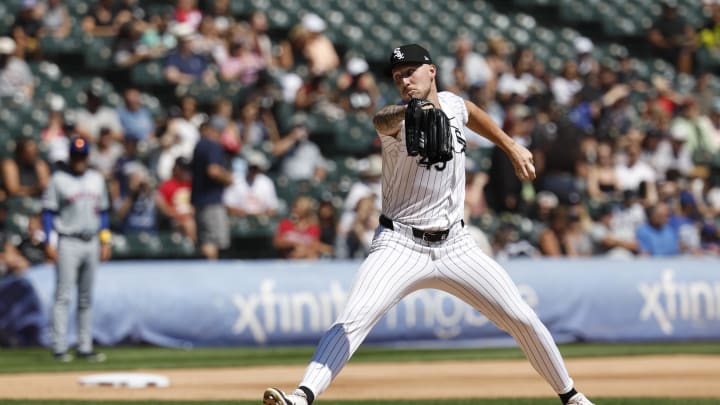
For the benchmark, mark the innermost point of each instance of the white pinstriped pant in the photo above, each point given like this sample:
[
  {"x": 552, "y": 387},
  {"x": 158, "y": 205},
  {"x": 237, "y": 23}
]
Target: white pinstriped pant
[{"x": 399, "y": 264}]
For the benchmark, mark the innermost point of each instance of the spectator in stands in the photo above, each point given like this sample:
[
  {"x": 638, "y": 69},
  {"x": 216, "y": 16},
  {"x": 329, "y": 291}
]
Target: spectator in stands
[
  {"x": 607, "y": 240},
  {"x": 119, "y": 183},
  {"x": 316, "y": 97},
  {"x": 136, "y": 120},
  {"x": 261, "y": 43},
  {"x": 498, "y": 56},
  {"x": 16, "y": 80},
  {"x": 95, "y": 115},
  {"x": 222, "y": 16},
  {"x": 208, "y": 42},
  {"x": 697, "y": 132},
  {"x": 183, "y": 65},
  {"x": 136, "y": 209},
  {"x": 298, "y": 237},
  {"x": 31, "y": 241},
  {"x": 368, "y": 185},
  {"x": 657, "y": 237},
  {"x": 475, "y": 69},
  {"x": 363, "y": 227},
  {"x": 300, "y": 158},
  {"x": 475, "y": 181},
  {"x": 128, "y": 49},
  {"x": 564, "y": 236},
  {"x": 254, "y": 193},
  {"x": 710, "y": 239},
  {"x": 129, "y": 9},
  {"x": 157, "y": 36},
  {"x": 507, "y": 244},
  {"x": 704, "y": 92},
  {"x": 257, "y": 123},
  {"x": 517, "y": 85},
  {"x": 617, "y": 116},
  {"x": 317, "y": 49},
  {"x": 56, "y": 20},
  {"x": 101, "y": 20},
  {"x": 186, "y": 12},
  {"x": 672, "y": 38},
  {"x": 667, "y": 151},
  {"x": 631, "y": 171},
  {"x": 27, "y": 29},
  {"x": 55, "y": 135},
  {"x": 26, "y": 174},
  {"x": 709, "y": 39},
  {"x": 242, "y": 64},
  {"x": 565, "y": 86},
  {"x": 357, "y": 89},
  {"x": 685, "y": 218},
  {"x": 586, "y": 62},
  {"x": 222, "y": 113},
  {"x": 327, "y": 221},
  {"x": 11, "y": 260},
  {"x": 172, "y": 200},
  {"x": 504, "y": 190},
  {"x": 627, "y": 74},
  {"x": 105, "y": 153},
  {"x": 209, "y": 179},
  {"x": 602, "y": 181}
]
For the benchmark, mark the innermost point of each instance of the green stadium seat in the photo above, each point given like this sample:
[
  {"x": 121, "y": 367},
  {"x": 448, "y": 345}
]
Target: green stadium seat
[
  {"x": 98, "y": 55},
  {"x": 148, "y": 74}
]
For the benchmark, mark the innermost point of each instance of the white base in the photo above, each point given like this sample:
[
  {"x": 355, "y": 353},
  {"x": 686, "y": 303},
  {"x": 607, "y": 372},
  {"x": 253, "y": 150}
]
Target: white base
[{"x": 128, "y": 380}]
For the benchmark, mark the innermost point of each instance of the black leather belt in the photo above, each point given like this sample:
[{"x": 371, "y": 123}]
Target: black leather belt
[
  {"x": 85, "y": 237},
  {"x": 427, "y": 236}
]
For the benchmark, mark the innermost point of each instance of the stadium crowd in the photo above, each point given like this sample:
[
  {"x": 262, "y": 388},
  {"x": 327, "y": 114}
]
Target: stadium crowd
[{"x": 627, "y": 165}]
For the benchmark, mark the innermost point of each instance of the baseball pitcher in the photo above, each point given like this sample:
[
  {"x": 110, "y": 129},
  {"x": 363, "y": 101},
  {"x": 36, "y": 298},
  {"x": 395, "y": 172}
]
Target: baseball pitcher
[{"x": 422, "y": 241}]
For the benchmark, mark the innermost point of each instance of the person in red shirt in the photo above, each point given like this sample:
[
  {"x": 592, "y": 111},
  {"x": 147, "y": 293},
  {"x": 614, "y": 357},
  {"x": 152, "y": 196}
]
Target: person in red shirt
[
  {"x": 173, "y": 199},
  {"x": 298, "y": 237}
]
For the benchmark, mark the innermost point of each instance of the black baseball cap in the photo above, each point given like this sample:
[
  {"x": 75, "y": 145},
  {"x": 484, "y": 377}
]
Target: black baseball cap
[{"x": 409, "y": 54}]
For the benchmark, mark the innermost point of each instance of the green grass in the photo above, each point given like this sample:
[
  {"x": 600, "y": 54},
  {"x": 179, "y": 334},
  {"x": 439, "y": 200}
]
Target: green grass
[
  {"x": 524, "y": 401},
  {"x": 130, "y": 358}
]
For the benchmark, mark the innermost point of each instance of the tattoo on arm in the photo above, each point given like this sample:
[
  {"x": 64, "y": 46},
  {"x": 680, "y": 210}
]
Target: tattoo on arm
[{"x": 388, "y": 119}]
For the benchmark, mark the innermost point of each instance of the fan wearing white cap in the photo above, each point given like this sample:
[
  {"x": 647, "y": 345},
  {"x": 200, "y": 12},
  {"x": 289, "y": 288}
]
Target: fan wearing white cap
[
  {"x": 317, "y": 49},
  {"x": 254, "y": 193},
  {"x": 357, "y": 87},
  {"x": 585, "y": 59},
  {"x": 16, "y": 80}
]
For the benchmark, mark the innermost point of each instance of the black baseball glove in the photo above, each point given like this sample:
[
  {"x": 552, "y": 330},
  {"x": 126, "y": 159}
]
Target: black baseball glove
[{"x": 427, "y": 133}]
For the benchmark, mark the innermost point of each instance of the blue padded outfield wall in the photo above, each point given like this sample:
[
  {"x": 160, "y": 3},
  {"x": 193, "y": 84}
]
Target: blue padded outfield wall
[{"x": 197, "y": 303}]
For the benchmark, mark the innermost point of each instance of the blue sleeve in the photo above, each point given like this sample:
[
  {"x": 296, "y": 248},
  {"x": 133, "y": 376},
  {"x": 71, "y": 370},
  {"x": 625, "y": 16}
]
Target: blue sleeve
[
  {"x": 642, "y": 237},
  {"x": 216, "y": 155},
  {"x": 104, "y": 220},
  {"x": 47, "y": 221}
]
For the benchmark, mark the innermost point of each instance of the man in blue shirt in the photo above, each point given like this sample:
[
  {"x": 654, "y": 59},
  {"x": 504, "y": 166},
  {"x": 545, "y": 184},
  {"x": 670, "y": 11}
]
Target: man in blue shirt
[
  {"x": 136, "y": 120},
  {"x": 657, "y": 237},
  {"x": 183, "y": 65},
  {"x": 209, "y": 179}
]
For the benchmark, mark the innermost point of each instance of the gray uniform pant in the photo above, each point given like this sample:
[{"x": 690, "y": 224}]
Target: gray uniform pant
[{"x": 76, "y": 264}]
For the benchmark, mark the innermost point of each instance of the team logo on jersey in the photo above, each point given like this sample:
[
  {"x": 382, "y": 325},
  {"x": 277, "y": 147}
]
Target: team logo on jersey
[{"x": 397, "y": 54}]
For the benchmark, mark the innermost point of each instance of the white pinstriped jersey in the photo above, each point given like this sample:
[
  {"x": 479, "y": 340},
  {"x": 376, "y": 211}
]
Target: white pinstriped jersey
[{"x": 428, "y": 199}]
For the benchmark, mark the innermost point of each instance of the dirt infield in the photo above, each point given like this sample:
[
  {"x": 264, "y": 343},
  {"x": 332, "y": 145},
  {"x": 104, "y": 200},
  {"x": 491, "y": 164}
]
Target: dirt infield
[{"x": 683, "y": 376}]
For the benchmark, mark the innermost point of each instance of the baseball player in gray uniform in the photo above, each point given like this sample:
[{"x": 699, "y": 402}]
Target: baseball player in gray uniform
[
  {"x": 75, "y": 206},
  {"x": 422, "y": 241}
]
